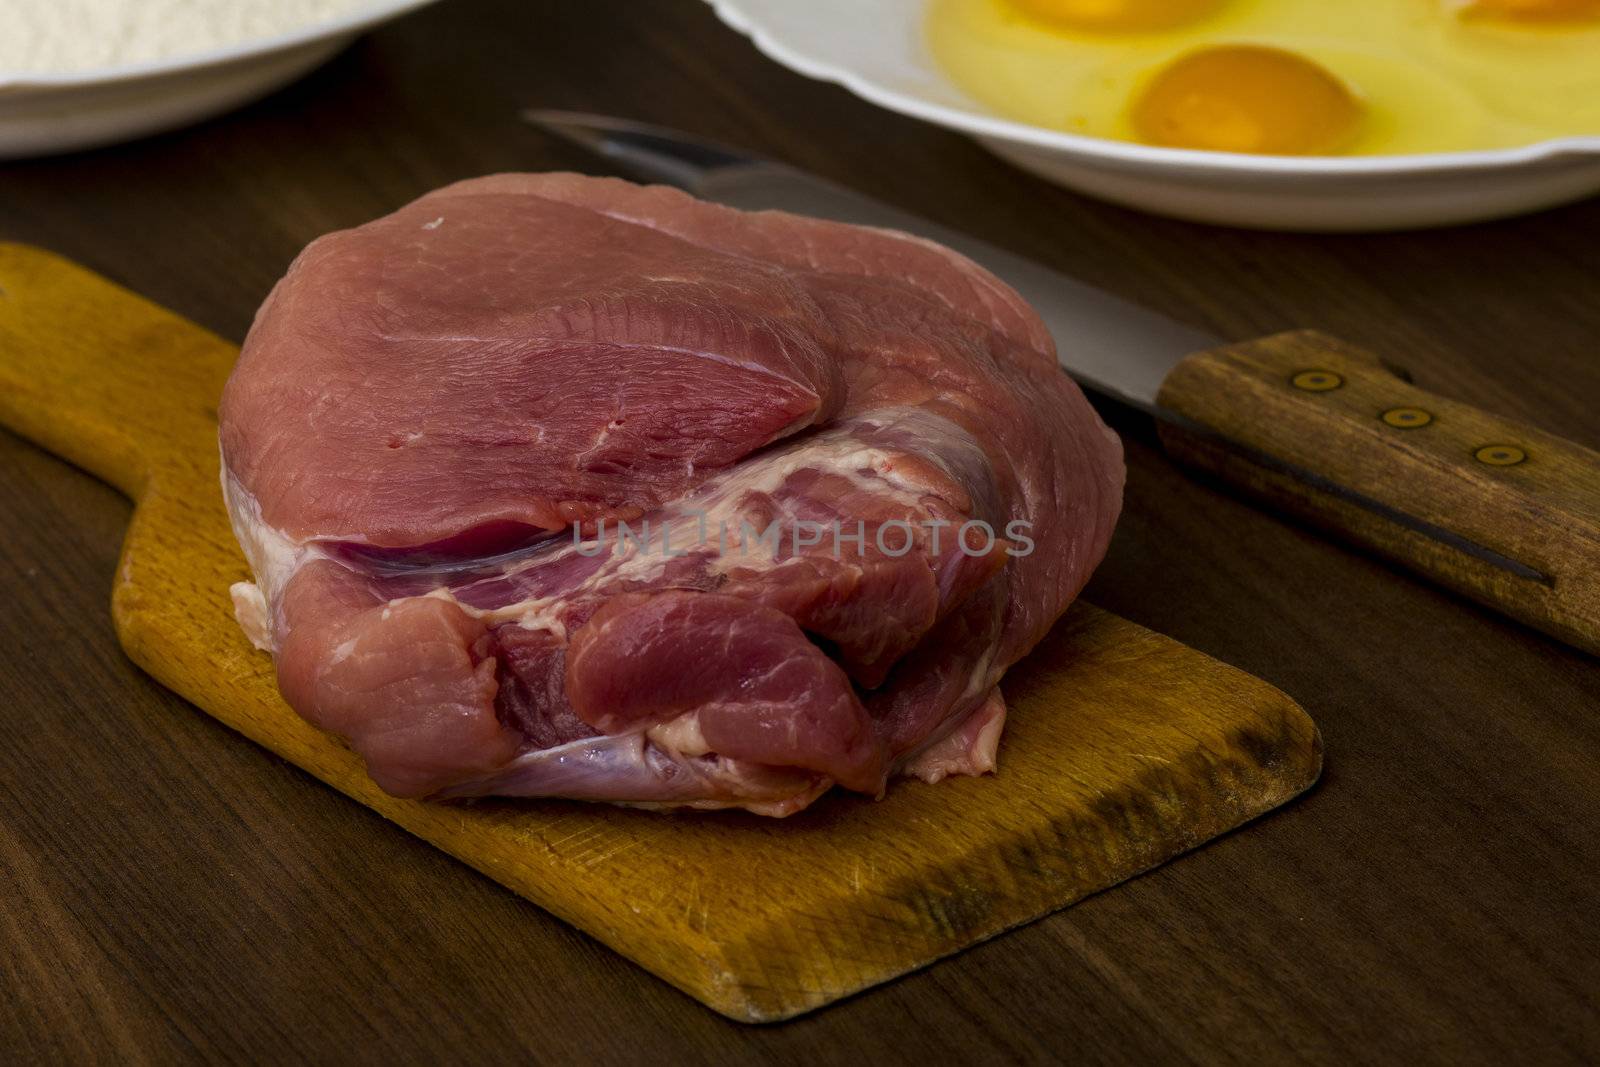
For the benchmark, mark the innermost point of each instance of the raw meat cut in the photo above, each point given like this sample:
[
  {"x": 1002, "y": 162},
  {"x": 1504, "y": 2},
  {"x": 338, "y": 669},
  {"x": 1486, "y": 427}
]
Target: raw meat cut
[{"x": 566, "y": 487}]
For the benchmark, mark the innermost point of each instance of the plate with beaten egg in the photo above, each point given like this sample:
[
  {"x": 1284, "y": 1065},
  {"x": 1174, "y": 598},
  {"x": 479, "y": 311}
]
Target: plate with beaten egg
[{"x": 1289, "y": 114}]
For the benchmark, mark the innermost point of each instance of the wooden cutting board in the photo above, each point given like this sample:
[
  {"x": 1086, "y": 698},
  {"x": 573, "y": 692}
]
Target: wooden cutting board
[{"x": 1123, "y": 749}]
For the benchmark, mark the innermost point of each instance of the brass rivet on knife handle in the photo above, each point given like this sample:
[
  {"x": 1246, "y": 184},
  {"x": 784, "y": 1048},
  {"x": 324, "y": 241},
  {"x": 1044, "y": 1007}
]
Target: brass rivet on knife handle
[
  {"x": 1407, "y": 418},
  {"x": 1500, "y": 455},
  {"x": 1458, "y": 503},
  {"x": 1316, "y": 381}
]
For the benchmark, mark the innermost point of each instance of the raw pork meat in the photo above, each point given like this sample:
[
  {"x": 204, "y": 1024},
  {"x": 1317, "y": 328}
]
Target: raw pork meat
[{"x": 566, "y": 487}]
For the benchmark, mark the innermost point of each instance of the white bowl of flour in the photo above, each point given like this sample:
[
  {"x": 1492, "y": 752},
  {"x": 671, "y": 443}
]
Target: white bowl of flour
[{"x": 81, "y": 73}]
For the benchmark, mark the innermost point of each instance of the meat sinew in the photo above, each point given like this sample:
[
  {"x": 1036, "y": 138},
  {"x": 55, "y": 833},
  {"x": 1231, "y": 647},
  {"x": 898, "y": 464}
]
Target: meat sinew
[{"x": 562, "y": 486}]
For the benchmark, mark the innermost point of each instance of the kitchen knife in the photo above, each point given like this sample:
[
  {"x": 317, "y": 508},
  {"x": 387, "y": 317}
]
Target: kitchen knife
[{"x": 1500, "y": 512}]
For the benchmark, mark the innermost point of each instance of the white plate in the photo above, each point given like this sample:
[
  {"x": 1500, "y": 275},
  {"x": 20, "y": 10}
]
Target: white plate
[
  {"x": 45, "y": 113},
  {"x": 876, "y": 49}
]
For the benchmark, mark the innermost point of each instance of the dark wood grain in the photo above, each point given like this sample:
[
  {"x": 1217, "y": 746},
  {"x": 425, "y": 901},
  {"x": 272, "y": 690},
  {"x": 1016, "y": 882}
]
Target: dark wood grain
[{"x": 173, "y": 892}]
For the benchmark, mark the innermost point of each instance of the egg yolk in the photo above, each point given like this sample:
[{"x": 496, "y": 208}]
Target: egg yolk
[
  {"x": 1534, "y": 10},
  {"x": 1115, "y": 15},
  {"x": 1247, "y": 98}
]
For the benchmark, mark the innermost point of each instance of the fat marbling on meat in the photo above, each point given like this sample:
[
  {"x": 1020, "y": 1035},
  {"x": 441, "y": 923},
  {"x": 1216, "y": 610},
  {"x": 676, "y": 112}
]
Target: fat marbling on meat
[{"x": 561, "y": 486}]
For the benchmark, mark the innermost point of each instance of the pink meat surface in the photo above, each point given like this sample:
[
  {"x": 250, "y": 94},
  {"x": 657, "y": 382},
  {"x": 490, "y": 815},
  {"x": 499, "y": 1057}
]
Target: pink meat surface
[{"x": 562, "y": 486}]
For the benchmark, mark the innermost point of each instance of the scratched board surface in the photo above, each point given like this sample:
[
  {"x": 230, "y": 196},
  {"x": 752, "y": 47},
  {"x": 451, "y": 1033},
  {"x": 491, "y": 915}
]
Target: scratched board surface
[{"x": 1123, "y": 748}]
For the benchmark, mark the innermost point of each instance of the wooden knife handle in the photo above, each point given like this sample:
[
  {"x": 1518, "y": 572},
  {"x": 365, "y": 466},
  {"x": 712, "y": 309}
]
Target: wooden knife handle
[{"x": 1500, "y": 512}]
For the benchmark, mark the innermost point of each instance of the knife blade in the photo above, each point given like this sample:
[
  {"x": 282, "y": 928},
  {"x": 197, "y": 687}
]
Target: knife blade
[{"x": 1503, "y": 513}]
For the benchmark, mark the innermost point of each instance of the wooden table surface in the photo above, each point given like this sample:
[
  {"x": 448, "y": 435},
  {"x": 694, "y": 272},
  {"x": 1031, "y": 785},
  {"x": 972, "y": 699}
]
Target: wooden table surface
[{"x": 169, "y": 891}]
